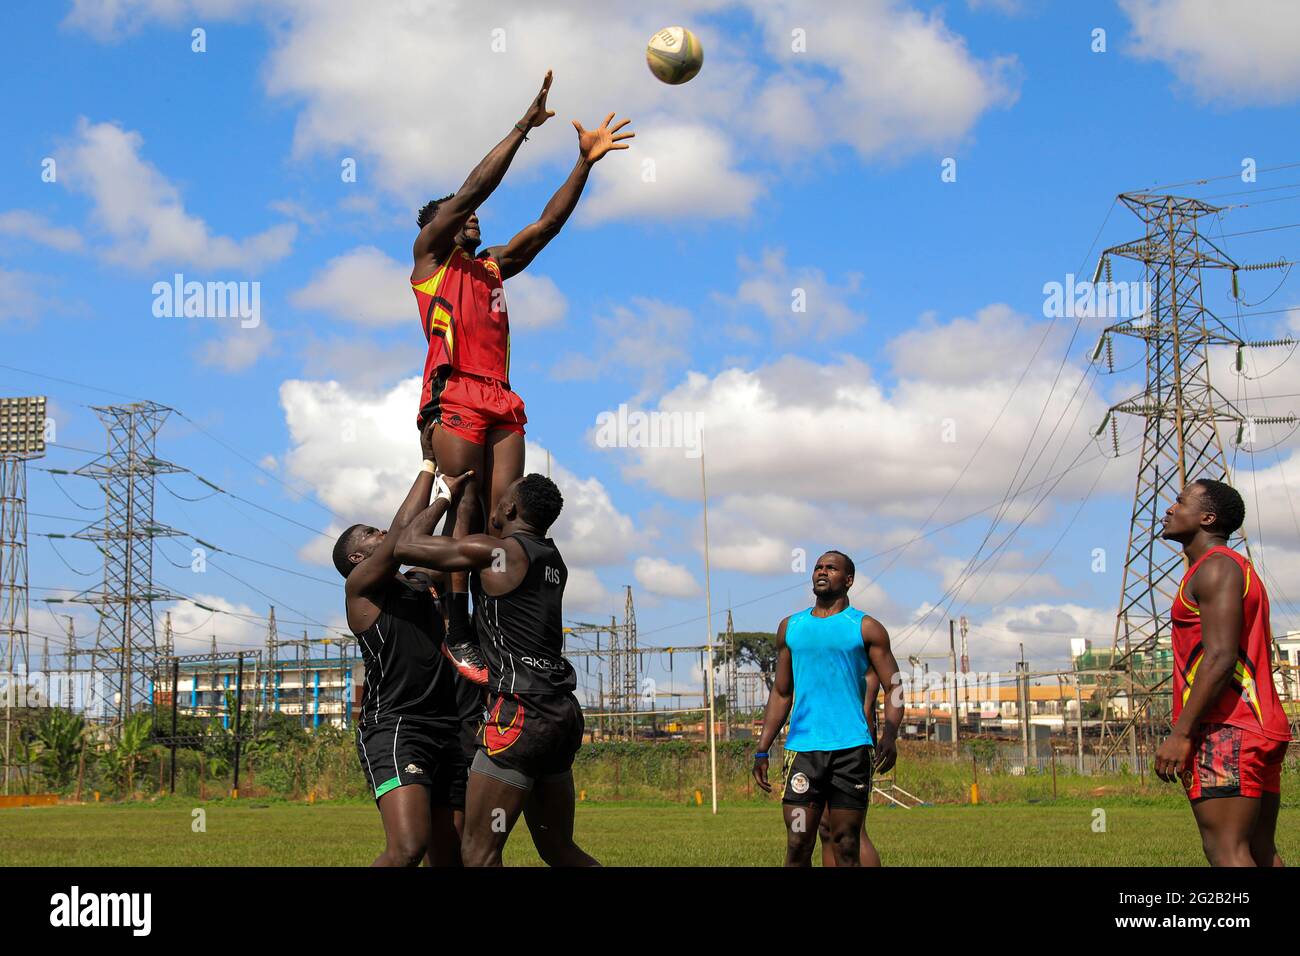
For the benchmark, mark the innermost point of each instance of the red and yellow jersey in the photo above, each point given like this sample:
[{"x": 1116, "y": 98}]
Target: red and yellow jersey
[
  {"x": 463, "y": 314},
  {"x": 1250, "y": 700}
]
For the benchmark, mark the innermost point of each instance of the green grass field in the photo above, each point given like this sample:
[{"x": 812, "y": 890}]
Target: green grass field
[{"x": 744, "y": 834}]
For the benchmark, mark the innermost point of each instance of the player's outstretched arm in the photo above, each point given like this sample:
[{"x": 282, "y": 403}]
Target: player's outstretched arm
[
  {"x": 418, "y": 545},
  {"x": 372, "y": 575},
  {"x": 515, "y": 256},
  {"x": 885, "y": 666},
  {"x": 1217, "y": 588},
  {"x": 435, "y": 238},
  {"x": 779, "y": 700}
]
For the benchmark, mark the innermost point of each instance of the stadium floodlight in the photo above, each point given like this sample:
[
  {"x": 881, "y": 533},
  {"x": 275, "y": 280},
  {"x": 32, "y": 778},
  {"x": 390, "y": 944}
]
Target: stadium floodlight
[{"x": 22, "y": 427}]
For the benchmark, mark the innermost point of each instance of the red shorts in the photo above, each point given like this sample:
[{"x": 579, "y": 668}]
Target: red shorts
[
  {"x": 470, "y": 405},
  {"x": 1228, "y": 761}
]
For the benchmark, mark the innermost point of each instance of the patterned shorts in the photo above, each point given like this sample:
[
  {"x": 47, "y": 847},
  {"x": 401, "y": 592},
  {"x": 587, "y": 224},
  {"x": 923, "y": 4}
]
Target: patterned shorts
[{"x": 1229, "y": 761}]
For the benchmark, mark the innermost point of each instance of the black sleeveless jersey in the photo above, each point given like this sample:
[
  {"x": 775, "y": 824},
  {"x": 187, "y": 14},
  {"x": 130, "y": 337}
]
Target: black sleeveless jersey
[
  {"x": 406, "y": 673},
  {"x": 521, "y": 633}
]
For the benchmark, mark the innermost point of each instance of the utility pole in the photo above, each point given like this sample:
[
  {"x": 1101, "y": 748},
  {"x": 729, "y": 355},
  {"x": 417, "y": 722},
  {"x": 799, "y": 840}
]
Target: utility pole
[
  {"x": 270, "y": 677},
  {"x": 69, "y": 699},
  {"x": 952, "y": 675},
  {"x": 1022, "y": 682},
  {"x": 1078, "y": 704},
  {"x": 730, "y": 668}
]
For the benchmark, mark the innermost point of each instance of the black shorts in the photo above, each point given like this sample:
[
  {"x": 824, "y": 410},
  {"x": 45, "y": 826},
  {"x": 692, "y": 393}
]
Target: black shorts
[
  {"x": 399, "y": 751},
  {"x": 840, "y": 779},
  {"x": 529, "y": 738}
]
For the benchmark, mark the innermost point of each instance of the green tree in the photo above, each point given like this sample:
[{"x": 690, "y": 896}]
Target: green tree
[
  {"x": 759, "y": 649},
  {"x": 59, "y": 737},
  {"x": 130, "y": 748}
]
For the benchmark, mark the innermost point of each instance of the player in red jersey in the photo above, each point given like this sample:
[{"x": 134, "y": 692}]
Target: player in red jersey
[
  {"x": 1230, "y": 733},
  {"x": 476, "y": 420}
]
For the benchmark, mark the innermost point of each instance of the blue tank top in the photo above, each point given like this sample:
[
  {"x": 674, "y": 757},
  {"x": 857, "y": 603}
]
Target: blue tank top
[{"x": 830, "y": 681}]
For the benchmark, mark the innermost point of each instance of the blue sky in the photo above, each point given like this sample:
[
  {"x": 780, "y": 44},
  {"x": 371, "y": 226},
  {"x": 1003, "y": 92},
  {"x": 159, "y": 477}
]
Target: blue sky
[{"x": 818, "y": 170}]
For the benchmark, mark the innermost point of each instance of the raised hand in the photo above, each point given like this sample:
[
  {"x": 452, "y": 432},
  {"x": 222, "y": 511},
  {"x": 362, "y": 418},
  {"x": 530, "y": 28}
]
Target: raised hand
[
  {"x": 537, "y": 113},
  {"x": 595, "y": 143}
]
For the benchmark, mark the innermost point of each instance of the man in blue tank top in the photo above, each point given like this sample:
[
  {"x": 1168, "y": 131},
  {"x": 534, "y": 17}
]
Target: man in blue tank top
[{"x": 823, "y": 655}]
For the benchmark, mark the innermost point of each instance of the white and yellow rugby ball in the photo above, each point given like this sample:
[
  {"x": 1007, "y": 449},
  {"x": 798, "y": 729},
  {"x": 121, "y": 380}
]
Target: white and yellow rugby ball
[{"x": 674, "y": 55}]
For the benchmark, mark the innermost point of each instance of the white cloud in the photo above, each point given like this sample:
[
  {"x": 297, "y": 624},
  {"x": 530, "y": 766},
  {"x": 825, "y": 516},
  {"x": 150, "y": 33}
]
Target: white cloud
[
  {"x": 237, "y": 348},
  {"x": 662, "y": 577},
  {"x": 971, "y": 350},
  {"x": 534, "y": 302},
  {"x": 28, "y": 225},
  {"x": 1244, "y": 55},
  {"x": 895, "y": 79},
  {"x": 364, "y": 285},
  {"x": 143, "y": 212},
  {"x": 675, "y": 172},
  {"x": 21, "y": 295},
  {"x": 777, "y": 425},
  {"x": 585, "y": 592},
  {"x": 995, "y": 584},
  {"x": 590, "y": 530},
  {"x": 193, "y": 627},
  {"x": 801, "y": 304},
  {"x": 112, "y": 19},
  {"x": 647, "y": 337},
  {"x": 356, "y": 362},
  {"x": 349, "y": 67},
  {"x": 359, "y": 452}
]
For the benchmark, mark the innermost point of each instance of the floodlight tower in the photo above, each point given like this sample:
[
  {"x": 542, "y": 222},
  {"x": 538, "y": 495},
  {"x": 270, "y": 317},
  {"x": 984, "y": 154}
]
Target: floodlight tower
[{"x": 22, "y": 437}]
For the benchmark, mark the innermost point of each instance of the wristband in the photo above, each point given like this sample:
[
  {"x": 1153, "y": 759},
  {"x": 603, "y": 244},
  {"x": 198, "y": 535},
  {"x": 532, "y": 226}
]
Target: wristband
[
  {"x": 429, "y": 467},
  {"x": 761, "y": 756},
  {"x": 522, "y": 130},
  {"x": 440, "y": 489}
]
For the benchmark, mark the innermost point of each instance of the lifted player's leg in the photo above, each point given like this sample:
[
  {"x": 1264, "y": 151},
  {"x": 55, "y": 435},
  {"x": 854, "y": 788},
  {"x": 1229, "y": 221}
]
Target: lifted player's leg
[
  {"x": 455, "y": 455},
  {"x": 1227, "y": 824},
  {"x": 549, "y": 815},
  {"x": 503, "y": 464}
]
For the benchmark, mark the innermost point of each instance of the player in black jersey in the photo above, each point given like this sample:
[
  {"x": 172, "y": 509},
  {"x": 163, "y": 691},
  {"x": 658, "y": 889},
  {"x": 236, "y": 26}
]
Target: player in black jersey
[
  {"x": 408, "y": 729},
  {"x": 524, "y": 761},
  {"x": 471, "y": 698}
]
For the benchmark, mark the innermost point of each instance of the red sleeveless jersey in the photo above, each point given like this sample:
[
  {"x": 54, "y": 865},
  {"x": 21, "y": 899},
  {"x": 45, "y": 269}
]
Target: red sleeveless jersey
[
  {"x": 463, "y": 314},
  {"x": 1250, "y": 700}
]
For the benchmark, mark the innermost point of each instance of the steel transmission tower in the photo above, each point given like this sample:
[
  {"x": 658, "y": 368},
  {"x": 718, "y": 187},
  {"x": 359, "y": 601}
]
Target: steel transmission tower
[
  {"x": 125, "y": 644},
  {"x": 1182, "y": 412}
]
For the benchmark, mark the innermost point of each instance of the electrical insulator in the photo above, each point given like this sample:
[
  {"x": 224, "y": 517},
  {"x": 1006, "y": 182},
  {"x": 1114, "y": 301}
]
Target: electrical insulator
[{"x": 1102, "y": 427}]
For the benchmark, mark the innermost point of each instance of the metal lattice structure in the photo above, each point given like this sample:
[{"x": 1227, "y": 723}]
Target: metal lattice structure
[
  {"x": 125, "y": 643},
  {"x": 22, "y": 437},
  {"x": 1182, "y": 413},
  {"x": 618, "y": 703}
]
